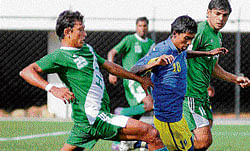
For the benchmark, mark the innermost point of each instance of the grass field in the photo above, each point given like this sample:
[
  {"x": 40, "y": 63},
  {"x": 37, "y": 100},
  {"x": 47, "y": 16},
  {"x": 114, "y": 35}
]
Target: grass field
[{"x": 50, "y": 136}]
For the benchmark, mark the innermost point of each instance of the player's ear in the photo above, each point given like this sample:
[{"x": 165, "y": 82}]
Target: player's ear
[
  {"x": 208, "y": 12},
  {"x": 67, "y": 32},
  {"x": 174, "y": 34}
]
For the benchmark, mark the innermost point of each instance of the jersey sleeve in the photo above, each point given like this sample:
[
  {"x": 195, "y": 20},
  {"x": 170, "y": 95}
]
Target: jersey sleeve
[
  {"x": 51, "y": 63},
  {"x": 152, "y": 55},
  {"x": 121, "y": 46},
  {"x": 100, "y": 60}
]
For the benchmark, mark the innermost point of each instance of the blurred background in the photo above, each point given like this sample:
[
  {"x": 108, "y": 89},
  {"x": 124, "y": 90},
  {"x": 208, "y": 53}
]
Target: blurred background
[{"x": 27, "y": 32}]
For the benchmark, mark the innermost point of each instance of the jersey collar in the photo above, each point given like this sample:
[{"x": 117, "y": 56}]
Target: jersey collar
[
  {"x": 172, "y": 46},
  {"x": 69, "y": 48},
  {"x": 140, "y": 39}
]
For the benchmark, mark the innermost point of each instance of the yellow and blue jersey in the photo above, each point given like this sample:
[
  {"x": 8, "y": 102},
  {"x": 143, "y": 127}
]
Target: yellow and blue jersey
[{"x": 169, "y": 81}]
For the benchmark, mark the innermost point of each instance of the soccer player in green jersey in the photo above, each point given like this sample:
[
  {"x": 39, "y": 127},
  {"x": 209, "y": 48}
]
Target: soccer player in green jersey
[
  {"x": 196, "y": 107},
  {"x": 133, "y": 47},
  {"x": 77, "y": 65}
]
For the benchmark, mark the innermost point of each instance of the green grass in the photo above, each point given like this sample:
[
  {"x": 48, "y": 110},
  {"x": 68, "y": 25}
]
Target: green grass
[
  {"x": 231, "y": 138},
  {"x": 226, "y": 137}
]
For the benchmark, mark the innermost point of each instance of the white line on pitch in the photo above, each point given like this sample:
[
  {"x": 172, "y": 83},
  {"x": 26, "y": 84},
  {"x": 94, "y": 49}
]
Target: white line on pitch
[
  {"x": 231, "y": 133},
  {"x": 33, "y": 136}
]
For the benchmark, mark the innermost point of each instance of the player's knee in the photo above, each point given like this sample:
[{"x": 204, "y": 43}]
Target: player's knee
[
  {"x": 203, "y": 143},
  {"x": 152, "y": 136},
  {"x": 68, "y": 147},
  {"x": 148, "y": 107},
  {"x": 207, "y": 143},
  {"x": 148, "y": 103}
]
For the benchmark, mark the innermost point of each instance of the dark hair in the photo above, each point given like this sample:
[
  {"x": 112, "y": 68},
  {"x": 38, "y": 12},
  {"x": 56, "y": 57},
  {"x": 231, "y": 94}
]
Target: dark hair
[
  {"x": 67, "y": 19},
  {"x": 220, "y": 4},
  {"x": 183, "y": 24},
  {"x": 142, "y": 19}
]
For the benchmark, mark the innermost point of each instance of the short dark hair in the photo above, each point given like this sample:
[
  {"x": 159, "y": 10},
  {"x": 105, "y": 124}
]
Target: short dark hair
[
  {"x": 183, "y": 24},
  {"x": 67, "y": 19},
  {"x": 220, "y": 4},
  {"x": 142, "y": 19}
]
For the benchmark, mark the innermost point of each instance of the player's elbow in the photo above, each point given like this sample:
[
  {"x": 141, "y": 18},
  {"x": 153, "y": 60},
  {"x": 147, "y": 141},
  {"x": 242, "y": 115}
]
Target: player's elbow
[
  {"x": 135, "y": 70},
  {"x": 111, "y": 54},
  {"x": 23, "y": 73},
  {"x": 32, "y": 68}
]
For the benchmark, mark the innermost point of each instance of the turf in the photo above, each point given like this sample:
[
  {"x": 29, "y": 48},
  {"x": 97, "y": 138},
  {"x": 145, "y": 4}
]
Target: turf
[{"x": 226, "y": 137}]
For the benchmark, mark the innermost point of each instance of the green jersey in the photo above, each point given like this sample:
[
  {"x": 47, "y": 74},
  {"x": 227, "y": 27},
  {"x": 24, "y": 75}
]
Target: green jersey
[
  {"x": 133, "y": 48},
  {"x": 79, "y": 71},
  {"x": 201, "y": 68}
]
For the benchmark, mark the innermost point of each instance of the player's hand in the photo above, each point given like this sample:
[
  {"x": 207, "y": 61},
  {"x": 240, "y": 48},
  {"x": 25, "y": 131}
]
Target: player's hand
[
  {"x": 63, "y": 94},
  {"x": 112, "y": 79},
  {"x": 146, "y": 84},
  {"x": 243, "y": 81},
  {"x": 218, "y": 51},
  {"x": 164, "y": 60}
]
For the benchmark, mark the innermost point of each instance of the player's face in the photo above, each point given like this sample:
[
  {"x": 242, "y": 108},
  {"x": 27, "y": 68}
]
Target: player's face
[
  {"x": 78, "y": 34},
  {"x": 142, "y": 29},
  {"x": 217, "y": 18},
  {"x": 182, "y": 40}
]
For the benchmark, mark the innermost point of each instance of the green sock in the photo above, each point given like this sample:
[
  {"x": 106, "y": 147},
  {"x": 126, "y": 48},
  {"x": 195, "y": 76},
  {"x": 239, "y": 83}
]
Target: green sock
[
  {"x": 116, "y": 142},
  {"x": 134, "y": 110}
]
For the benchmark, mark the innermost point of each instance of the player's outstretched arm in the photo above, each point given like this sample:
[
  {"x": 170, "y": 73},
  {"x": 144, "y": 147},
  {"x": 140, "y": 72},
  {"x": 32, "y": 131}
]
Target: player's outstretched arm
[
  {"x": 32, "y": 76},
  {"x": 111, "y": 56},
  {"x": 117, "y": 70},
  {"x": 220, "y": 73},
  {"x": 192, "y": 54},
  {"x": 159, "y": 61}
]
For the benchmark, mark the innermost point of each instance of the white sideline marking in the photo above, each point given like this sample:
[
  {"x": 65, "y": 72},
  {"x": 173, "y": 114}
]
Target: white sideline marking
[
  {"x": 231, "y": 133},
  {"x": 33, "y": 136}
]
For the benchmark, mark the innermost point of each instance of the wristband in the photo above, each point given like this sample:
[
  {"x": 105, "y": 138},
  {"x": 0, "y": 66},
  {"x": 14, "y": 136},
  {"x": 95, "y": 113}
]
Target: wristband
[{"x": 48, "y": 87}]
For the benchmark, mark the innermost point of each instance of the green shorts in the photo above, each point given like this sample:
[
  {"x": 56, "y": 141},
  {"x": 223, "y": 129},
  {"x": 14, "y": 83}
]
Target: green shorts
[
  {"x": 197, "y": 112},
  {"x": 106, "y": 126}
]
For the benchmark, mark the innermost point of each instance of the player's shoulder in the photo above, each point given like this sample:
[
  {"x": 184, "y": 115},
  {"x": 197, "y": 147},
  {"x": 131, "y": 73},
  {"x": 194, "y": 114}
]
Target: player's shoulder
[
  {"x": 129, "y": 37},
  {"x": 203, "y": 28},
  {"x": 164, "y": 45},
  {"x": 88, "y": 46},
  {"x": 58, "y": 52},
  {"x": 151, "y": 40}
]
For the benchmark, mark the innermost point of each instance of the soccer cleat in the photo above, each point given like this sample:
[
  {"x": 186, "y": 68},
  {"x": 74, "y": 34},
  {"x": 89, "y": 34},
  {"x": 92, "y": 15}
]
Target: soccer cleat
[
  {"x": 131, "y": 145},
  {"x": 115, "y": 146},
  {"x": 127, "y": 145},
  {"x": 143, "y": 147}
]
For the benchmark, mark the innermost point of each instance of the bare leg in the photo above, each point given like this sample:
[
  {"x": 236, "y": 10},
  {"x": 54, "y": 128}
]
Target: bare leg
[
  {"x": 68, "y": 147},
  {"x": 137, "y": 130},
  {"x": 148, "y": 103},
  {"x": 203, "y": 137}
]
